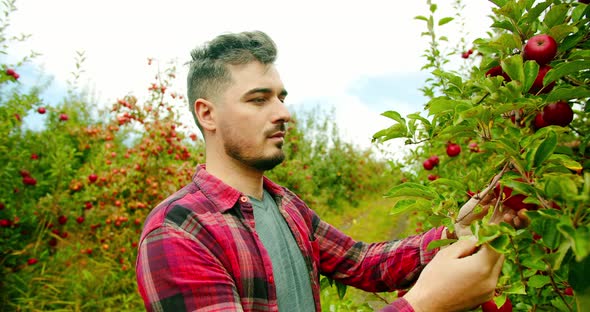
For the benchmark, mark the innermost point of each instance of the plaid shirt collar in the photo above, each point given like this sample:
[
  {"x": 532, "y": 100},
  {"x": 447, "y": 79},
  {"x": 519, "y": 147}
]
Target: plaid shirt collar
[{"x": 222, "y": 195}]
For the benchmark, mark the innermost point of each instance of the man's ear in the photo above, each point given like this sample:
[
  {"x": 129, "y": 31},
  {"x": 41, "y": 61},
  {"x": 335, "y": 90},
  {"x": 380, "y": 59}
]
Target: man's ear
[{"x": 205, "y": 112}]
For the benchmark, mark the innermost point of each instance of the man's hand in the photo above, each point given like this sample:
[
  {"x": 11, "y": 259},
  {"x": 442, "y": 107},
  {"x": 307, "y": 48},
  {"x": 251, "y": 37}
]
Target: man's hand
[
  {"x": 487, "y": 200},
  {"x": 460, "y": 277}
]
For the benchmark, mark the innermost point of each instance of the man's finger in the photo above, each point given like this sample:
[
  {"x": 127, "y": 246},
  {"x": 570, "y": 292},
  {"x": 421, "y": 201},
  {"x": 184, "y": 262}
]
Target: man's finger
[
  {"x": 462, "y": 248},
  {"x": 492, "y": 256}
]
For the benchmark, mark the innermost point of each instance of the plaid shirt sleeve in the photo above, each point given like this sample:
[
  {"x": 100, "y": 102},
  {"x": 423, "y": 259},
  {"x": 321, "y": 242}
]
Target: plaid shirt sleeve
[
  {"x": 375, "y": 267},
  {"x": 177, "y": 273}
]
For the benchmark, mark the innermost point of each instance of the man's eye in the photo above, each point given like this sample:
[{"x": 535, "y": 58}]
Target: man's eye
[{"x": 259, "y": 100}]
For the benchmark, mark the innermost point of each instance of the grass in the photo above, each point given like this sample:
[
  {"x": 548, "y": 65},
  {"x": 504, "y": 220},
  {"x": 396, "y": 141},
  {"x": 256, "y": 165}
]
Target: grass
[{"x": 369, "y": 222}]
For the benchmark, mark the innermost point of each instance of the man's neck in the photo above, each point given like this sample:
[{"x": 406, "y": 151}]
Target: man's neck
[{"x": 233, "y": 173}]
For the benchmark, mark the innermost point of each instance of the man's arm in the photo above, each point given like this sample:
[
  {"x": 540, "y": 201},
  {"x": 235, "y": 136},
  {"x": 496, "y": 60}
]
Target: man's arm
[
  {"x": 383, "y": 266},
  {"x": 176, "y": 273}
]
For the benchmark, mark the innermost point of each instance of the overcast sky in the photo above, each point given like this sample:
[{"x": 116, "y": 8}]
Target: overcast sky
[{"x": 363, "y": 57}]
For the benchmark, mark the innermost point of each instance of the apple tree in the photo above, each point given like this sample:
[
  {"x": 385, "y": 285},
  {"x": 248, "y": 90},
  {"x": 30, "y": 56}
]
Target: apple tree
[{"x": 518, "y": 109}]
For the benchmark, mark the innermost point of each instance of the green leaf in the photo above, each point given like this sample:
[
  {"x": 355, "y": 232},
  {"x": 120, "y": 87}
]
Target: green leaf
[
  {"x": 516, "y": 288},
  {"x": 395, "y": 116},
  {"x": 425, "y": 122},
  {"x": 487, "y": 234},
  {"x": 556, "y": 259},
  {"x": 579, "y": 238},
  {"x": 545, "y": 150},
  {"x": 513, "y": 66},
  {"x": 393, "y": 132},
  {"x": 458, "y": 130},
  {"x": 411, "y": 189},
  {"x": 545, "y": 225},
  {"x": 538, "y": 281},
  {"x": 531, "y": 70},
  {"x": 444, "y": 20},
  {"x": 519, "y": 187},
  {"x": 404, "y": 205},
  {"x": 566, "y": 161},
  {"x": 500, "y": 243},
  {"x": 564, "y": 69},
  {"x": 556, "y": 15},
  {"x": 439, "y": 105},
  {"x": 341, "y": 289},
  {"x": 578, "y": 275},
  {"x": 504, "y": 25},
  {"x": 561, "y": 31},
  {"x": 439, "y": 243},
  {"x": 422, "y": 18},
  {"x": 452, "y": 183},
  {"x": 534, "y": 263},
  {"x": 534, "y": 13},
  {"x": 568, "y": 93},
  {"x": 499, "y": 3}
]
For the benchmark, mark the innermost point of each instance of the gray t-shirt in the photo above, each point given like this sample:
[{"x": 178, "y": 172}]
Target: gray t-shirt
[{"x": 289, "y": 269}]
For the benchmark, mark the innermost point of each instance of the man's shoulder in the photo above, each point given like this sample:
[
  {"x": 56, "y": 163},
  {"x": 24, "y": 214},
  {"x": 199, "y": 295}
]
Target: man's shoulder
[{"x": 187, "y": 202}]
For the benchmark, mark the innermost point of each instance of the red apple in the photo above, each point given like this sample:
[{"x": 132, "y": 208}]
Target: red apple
[
  {"x": 558, "y": 113},
  {"x": 513, "y": 201},
  {"x": 541, "y": 48},
  {"x": 537, "y": 86},
  {"x": 453, "y": 149},
  {"x": 92, "y": 178},
  {"x": 568, "y": 291},
  {"x": 427, "y": 164},
  {"x": 28, "y": 180},
  {"x": 432, "y": 177},
  {"x": 497, "y": 71},
  {"x": 539, "y": 122},
  {"x": 34, "y": 156},
  {"x": 80, "y": 220},
  {"x": 5, "y": 223},
  {"x": 32, "y": 261},
  {"x": 41, "y": 110},
  {"x": 63, "y": 117},
  {"x": 62, "y": 219},
  {"x": 490, "y": 306},
  {"x": 13, "y": 73},
  {"x": 434, "y": 159}
]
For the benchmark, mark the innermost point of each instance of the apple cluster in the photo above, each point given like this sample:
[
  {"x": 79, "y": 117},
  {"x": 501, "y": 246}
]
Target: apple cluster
[
  {"x": 542, "y": 49},
  {"x": 11, "y": 72}
]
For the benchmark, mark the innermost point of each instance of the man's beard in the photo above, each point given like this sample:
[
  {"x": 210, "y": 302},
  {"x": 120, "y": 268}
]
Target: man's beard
[
  {"x": 258, "y": 163},
  {"x": 261, "y": 163}
]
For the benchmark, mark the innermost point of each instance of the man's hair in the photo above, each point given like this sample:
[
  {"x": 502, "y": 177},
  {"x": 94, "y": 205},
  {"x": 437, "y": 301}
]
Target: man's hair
[{"x": 209, "y": 76}]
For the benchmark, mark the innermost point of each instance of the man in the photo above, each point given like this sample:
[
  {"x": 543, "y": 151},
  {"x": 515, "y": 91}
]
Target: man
[{"x": 232, "y": 240}]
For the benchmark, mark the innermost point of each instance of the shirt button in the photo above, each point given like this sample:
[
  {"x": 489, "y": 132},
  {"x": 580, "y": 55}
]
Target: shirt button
[{"x": 243, "y": 199}]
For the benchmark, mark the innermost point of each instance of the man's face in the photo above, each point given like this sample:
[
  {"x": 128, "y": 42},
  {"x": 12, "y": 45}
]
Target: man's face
[{"x": 252, "y": 116}]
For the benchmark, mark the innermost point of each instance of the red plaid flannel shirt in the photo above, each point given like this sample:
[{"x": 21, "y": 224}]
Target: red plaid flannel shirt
[{"x": 199, "y": 251}]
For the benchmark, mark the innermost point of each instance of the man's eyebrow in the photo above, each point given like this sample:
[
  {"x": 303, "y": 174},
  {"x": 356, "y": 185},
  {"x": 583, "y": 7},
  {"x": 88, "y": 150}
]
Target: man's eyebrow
[{"x": 265, "y": 90}]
